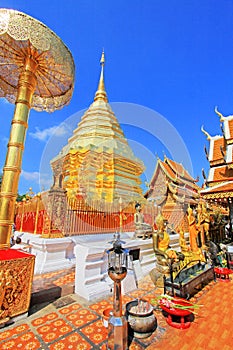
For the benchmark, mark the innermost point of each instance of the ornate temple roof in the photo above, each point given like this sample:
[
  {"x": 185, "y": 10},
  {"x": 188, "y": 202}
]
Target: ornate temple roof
[
  {"x": 219, "y": 182},
  {"x": 216, "y": 150},
  {"x": 171, "y": 178},
  {"x": 220, "y": 174},
  {"x": 222, "y": 190}
]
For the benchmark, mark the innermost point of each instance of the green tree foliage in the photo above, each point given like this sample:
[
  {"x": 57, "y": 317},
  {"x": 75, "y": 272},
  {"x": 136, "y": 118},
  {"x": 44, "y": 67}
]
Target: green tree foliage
[{"x": 20, "y": 197}]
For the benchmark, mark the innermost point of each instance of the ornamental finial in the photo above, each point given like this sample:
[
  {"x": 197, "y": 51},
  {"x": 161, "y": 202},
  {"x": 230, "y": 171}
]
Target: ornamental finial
[
  {"x": 219, "y": 114},
  {"x": 101, "y": 93},
  {"x": 206, "y": 133},
  {"x": 102, "y": 60}
]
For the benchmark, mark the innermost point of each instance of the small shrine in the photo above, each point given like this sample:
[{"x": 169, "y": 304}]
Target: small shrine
[
  {"x": 218, "y": 187},
  {"x": 173, "y": 189}
]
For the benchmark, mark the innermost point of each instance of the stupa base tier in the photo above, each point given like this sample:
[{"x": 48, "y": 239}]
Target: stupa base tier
[{"x": 16, "y": 275}]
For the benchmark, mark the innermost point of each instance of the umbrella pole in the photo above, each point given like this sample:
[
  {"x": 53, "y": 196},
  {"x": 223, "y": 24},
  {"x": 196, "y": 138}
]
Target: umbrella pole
[{"x": 13, "y": 162}]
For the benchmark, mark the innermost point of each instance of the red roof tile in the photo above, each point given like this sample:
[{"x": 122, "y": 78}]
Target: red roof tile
[
  {"x": 180, "y": 170},
  {"x": 230, "y": 125},
  {"x": 222, "y": 173},
  {"x": 217, "y": 155}
]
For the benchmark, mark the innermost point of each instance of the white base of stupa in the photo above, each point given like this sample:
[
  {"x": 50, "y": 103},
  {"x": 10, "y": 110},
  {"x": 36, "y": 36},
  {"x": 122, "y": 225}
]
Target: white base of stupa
[
  {"x": 88, "y": 254},
  {"x": 52, "y": 254}
]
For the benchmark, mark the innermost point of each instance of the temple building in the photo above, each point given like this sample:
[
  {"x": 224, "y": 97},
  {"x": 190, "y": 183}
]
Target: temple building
[
  {"x": 97, "y": 163},
  {"x": 173, "y": 189},
  {"x": 219, "y": 182}
]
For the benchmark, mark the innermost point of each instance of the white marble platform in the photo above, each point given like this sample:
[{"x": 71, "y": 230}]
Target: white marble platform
[{"x": 88, "y": 254}]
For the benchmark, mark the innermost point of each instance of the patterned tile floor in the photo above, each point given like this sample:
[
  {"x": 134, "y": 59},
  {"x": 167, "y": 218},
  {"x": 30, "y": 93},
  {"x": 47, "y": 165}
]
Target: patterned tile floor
[{"x": 73, "y": 323}]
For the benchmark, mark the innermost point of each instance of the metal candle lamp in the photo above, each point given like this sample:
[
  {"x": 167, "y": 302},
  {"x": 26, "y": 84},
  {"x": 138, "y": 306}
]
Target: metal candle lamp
[{"x": 117, "y": 271}]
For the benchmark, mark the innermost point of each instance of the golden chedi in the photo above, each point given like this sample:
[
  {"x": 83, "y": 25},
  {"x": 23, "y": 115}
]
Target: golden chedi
[{"x": 97, "y": 163}]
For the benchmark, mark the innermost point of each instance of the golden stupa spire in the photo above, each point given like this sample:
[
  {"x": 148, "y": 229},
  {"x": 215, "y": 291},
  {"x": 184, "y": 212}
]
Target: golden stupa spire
[{"x": 101, "y": 93}]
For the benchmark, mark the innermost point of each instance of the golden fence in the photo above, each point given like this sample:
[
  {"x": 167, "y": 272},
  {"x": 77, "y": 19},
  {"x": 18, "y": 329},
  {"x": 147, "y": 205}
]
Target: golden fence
[{"x": 77, "y": 216}]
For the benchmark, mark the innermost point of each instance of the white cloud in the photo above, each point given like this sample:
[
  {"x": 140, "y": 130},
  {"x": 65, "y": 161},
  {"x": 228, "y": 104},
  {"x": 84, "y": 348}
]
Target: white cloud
[
  {"x": 43, "y": 135},
  {"x": 46, "y": 180},
  {"x": 33, "y": 176}
]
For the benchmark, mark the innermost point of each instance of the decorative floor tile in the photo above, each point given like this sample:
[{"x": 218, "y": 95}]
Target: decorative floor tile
[
  {"x": 42, "y": 320},
  {"x": 69, "y": 309},
  {"x": 100, "y": 306},
  {"x": 27, "y": 341},
  {"x": 73, "y": 341},
  {"x": 13, "y": 331},
  {"x": 96, "y": 332},
  {"x": 76, "y": 326},
  {"x": 54, "y": 330},
  {"x": 81, "y": 317}
]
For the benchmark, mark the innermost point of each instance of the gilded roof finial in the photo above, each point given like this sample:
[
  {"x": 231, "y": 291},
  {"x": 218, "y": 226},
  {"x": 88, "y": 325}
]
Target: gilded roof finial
[
  {"x": 101, "y": 93},
  {"x": 206, "y": 133},
  {"x": 219, "y": 114}
]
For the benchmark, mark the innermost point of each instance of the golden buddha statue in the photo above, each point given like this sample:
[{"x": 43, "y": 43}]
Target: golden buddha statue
[
  {"x": 142, "y": 229},
  {"x": 161, "y": 240},
  {"x": 182, "y": 242}
]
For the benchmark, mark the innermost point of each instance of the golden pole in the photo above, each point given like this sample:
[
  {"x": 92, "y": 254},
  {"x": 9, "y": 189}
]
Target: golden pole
[
  {"x": 38, "y": 198},
  {"x": 22, "y": 216},
  {"x": 13, "y": 163}
]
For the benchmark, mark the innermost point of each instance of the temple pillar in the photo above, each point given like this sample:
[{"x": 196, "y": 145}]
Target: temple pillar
[{"x": 56, "y": 207}]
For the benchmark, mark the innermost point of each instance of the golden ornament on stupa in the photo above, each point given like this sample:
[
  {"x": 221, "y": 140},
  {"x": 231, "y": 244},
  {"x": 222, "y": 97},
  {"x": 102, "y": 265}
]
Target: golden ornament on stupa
[{"x": 36, "y": 71}]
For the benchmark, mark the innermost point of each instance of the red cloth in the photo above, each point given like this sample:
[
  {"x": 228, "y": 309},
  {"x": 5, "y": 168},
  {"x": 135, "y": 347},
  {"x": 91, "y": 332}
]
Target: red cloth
[{"x": 9, "y": 254}]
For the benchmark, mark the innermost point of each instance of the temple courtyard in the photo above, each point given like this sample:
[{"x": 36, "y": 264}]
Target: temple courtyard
[
  {"x": 172, "y": 232},
  {"x": 60, "y": 319}
]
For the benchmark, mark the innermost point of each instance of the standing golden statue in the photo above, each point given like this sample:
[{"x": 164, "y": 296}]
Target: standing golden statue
[
  {"x": 36, "y": 71},
  {"x": 203, "y": 223},
  {"x": 193, "y": 230}
]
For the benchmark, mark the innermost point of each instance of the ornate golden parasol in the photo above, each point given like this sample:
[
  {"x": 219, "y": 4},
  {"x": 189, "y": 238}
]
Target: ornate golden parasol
[{"x": 36, "y": 71}]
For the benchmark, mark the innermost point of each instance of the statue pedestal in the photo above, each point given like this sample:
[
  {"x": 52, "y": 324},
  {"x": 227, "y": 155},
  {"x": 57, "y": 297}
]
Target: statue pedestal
[{"x": 16, "y": 274}]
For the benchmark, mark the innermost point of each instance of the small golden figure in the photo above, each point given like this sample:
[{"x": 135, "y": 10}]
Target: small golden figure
[
  {"x": 182, "y": 242},
  {"x": 142, "y": 229},
  {"x": 161, "y": 240}
]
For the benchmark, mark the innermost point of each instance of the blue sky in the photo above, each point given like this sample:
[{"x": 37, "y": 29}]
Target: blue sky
[{"x": 172, "y": 59}]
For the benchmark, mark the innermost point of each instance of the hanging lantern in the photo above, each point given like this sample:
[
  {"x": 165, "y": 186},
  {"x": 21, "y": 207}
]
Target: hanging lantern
[{"x": 117, "y": 271}]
